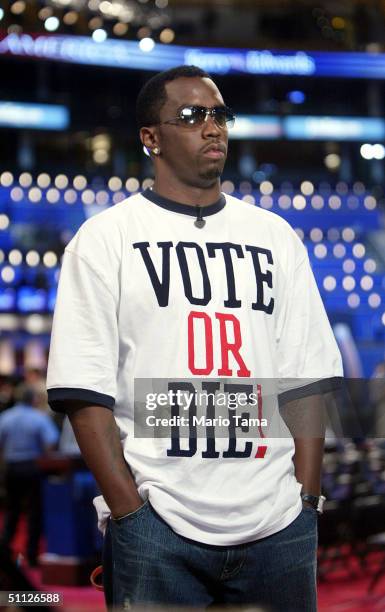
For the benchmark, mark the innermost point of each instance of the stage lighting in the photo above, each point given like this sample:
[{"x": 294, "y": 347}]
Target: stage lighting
[
  {"x": 88, "y": 197},
  {"x": 296, "y": 97},
  {"x": 51, "y": 24},
  {"x": 299, "y": 202},
  {"x": 132, "y": 185},
  {"x": 4, "y": 222},
  {"x": 80, "y": 182},
  {"x": 146, "y": 45},
  {"x": 332, "y": 161},
  {"x": 266, "y": 188},
  {"x": 6, "y": 179},
  {"x": 370, "y": 203},
  {"x": 167, "y": 36},
  {"x": 43, "y": 180},
  {"x": 34, "y": 195},
  {"x": 15, "y": 257},
  {"x": 284, "y": 202},
  {"x": 329, "y": 283},
  {"x": 266, "y": 201},
  {"x": 50, "y": 259},
  {"x": 16, "y": 194},
  {"x": 25, "y": 179},
  {"x": 32, "y": 259},
  {"x": 374, "y": 300},
  {"x": 8, "y": 274},
  {"x": 307, "y": 188},
  {"x": 99, "y": 35},
  {"x": 348, "y": 283},
  {"x": 359, "y": 250}
]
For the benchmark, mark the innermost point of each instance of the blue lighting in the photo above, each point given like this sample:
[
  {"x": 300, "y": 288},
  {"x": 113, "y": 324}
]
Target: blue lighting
[
  {"x": 30, "y": 299},
  {"x": 7, "y": 300},
  {"x": 334, "y": 128},
  {"x": 128, "y": 54},
  {"x": 308, "y": 127},
  {"x": 296, "y": 97},
  {"x": 36, "y": 116}
]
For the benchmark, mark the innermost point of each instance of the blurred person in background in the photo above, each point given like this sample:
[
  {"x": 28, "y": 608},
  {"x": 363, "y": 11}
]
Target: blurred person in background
[
  {"x": 377, "y": 401},
  {"x": 26, "y": 434},
  {"x": 176, "y": 283}
]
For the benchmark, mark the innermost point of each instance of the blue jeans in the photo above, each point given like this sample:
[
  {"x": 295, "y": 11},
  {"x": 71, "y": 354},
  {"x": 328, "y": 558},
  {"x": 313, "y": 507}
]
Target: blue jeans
[{"x": 145, "y": 562}]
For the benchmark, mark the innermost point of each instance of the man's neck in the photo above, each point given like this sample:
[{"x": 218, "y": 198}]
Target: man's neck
[{"x": 186, "y": 194}]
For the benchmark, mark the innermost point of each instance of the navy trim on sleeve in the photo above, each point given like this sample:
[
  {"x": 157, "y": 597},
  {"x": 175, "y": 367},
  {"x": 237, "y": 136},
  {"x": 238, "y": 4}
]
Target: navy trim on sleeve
[
  {"x": 58, "y": 398},
  {"x": 316, "y": 388}
]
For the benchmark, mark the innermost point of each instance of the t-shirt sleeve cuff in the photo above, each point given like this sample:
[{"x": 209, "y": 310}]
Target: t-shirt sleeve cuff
[
  {"x": 319, "y": 387},
  {"x": 59, "y": 399}
]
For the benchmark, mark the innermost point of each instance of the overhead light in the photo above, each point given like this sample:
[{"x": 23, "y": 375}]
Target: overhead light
[
  {"x": 70, "y": 18},
  {"x": 146, "y": 45},
  {"x": 332, "y": 161},
  {"x": 167, "y": 36},
  {"x": 372, "y": 151},
  {"x": 120, "y": 29},
  {"x": 99, "y": 35},
  {"x": 18, "y": 7},
  {"x": 51, "y": 24}
]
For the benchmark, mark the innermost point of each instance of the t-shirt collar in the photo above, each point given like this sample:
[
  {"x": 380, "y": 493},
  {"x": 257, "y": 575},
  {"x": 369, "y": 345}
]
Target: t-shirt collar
[{"x": 185, "y": 209}]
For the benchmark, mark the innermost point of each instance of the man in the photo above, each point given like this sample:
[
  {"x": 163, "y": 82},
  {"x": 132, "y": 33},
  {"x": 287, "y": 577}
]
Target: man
[
  {"x": 186, "y": 285},
  {"x": 26, "y": 433}
]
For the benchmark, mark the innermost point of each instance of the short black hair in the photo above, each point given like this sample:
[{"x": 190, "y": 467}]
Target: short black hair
[{"x": 153, "y": 95}]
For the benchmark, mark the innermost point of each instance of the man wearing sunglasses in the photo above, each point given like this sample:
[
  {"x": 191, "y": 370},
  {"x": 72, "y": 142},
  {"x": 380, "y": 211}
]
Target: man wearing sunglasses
[{"x": 167, "y": 302}]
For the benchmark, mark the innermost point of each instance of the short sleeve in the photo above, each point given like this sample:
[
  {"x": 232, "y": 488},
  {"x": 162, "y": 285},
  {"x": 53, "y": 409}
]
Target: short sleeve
[
  {"x": 309, "y": 360},
  {"x": 83, "y": 356}
]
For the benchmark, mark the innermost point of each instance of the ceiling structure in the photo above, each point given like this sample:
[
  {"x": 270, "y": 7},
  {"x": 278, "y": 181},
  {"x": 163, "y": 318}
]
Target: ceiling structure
[{"x": 301, "y": 24}]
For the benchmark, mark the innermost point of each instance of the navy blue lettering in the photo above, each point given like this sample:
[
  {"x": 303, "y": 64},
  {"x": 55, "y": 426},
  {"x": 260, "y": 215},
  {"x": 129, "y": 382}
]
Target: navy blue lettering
[
  {"x": 226, "y": 248},
  {"x": 232, "y": 449},
  {"x": 210, "y": 388},
  {"x": 180, "y": 251},
  {"x": 161, "y": 288},
  {"x": 176, "y": 450},
  {"x": 261, "y": 278}
]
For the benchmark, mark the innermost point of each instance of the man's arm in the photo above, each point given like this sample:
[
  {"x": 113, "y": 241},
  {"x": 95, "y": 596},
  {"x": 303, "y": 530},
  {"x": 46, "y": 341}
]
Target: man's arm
[
  {"x": 98, "y": 437},
  {"x": 305, "y": 419}
]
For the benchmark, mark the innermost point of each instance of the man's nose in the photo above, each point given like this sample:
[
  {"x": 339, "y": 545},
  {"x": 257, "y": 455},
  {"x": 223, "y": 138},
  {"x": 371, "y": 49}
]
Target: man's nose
[{"x": 210, "y": 126}]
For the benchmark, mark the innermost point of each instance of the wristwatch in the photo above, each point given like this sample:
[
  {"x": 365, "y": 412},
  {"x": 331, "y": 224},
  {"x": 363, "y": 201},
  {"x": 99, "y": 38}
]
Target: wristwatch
[{"x": 317, "y": 501}]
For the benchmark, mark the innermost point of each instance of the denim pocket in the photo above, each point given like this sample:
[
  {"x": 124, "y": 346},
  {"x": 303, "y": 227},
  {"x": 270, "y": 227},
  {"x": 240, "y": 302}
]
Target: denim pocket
[{"x": 132, "y": 515}]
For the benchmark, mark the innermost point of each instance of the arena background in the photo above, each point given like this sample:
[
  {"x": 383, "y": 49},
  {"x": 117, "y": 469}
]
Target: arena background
[{"x": 306, "y": 82}]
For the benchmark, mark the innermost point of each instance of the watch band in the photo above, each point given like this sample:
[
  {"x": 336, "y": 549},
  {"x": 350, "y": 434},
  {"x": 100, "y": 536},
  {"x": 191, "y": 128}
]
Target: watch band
[{"x": 317, "y": 501}]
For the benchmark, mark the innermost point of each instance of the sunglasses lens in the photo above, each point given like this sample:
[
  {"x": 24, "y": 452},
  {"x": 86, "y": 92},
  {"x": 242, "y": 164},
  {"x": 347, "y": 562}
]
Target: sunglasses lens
[
  {"x": 192, "y": 115},
  {"x": 196, "y": 115},
  {"x": 223, "y": 116}
]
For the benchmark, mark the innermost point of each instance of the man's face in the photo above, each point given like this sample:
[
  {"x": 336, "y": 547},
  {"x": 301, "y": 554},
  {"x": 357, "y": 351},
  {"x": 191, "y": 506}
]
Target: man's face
[{"x": 196, "y": 155}]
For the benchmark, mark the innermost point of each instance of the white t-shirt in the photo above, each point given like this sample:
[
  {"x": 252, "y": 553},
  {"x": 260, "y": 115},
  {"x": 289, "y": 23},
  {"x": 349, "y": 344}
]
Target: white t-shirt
[{"x": 145, "y": 296}]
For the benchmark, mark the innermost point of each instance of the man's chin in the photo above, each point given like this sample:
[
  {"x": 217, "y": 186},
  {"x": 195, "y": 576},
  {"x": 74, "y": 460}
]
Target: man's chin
[{"x": 211, "y": 174}]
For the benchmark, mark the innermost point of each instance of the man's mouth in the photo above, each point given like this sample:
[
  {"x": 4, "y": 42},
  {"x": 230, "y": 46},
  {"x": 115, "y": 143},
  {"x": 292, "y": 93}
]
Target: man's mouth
[{"x": 215, "y": 152}]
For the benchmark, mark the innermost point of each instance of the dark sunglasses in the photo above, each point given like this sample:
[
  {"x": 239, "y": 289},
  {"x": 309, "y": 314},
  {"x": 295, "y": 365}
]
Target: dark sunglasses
[{"x": 192, "y": 116}]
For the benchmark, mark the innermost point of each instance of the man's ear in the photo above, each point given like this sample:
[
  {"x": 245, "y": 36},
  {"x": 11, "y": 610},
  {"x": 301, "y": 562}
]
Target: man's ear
[{"x": 149, "y": 138}]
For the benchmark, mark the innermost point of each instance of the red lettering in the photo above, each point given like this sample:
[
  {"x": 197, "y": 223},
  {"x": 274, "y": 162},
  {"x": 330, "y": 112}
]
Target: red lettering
[
  {"x": 208, "y": 343},
  {"x": 231, "y": 347},
  {"x": 261, "y": 452}
]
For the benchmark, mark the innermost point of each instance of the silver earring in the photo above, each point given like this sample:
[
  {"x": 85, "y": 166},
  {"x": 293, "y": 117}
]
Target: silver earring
[{"x": 156, "y": 151}]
